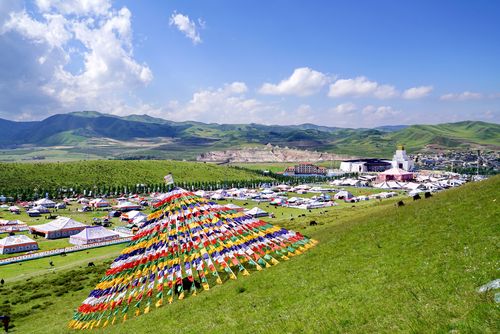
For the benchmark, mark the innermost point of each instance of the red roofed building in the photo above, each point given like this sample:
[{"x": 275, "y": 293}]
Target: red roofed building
[{"x": 304, "y": 169}]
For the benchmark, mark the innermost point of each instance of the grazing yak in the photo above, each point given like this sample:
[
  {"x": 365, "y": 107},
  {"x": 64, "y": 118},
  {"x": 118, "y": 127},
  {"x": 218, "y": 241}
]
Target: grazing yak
[
  {"x": 427, "y": 195},
  {"x": 416, "y": 197},
  {"x": 313, "y": 223},
  {"x": 186, "y": 285},
  {"x": 400, "y": 203}
]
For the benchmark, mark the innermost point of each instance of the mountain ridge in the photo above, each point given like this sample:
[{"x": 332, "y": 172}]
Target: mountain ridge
[{"x": 83, "y": 128}]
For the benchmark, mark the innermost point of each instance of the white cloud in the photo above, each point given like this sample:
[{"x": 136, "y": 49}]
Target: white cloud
[
  {"x": 461, "y": 96},
  {"x": 380, "y": 111},
  {"x": 77, "y": 7},
  {"x": 361, "y": 87},
  {"x": 417, "y": 92},
  {"x": 103, "y": 68},
  {"x": 345, "y": 108},
  {"x": 227, "y": 104},
  {"x": 187, "y": 26},
  {"x": 303, "y": 82},
  {"x": 52, "y": 30}
]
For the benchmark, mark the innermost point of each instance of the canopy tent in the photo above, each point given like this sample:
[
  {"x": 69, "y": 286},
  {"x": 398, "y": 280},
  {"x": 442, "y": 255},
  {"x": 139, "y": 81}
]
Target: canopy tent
[
  {"x": 4, "y": 222},
  {"x": 92, "y": 235},
  {"x": 128, "y": 206},
  {"x": 234, "y": 207},
  {"x": 187, "y": 245},
  {"x": 99, "y": 203},
  {"x": 16, "y": 244},
  {"x": 45, "y": 202},
  {"x": 343, "y": 194},
  {"x": 41, "y": 209},
  {"x": 131, "y": 215},
  {"x": 60, "y": 228},
  {"x": 256, "y": 212}
]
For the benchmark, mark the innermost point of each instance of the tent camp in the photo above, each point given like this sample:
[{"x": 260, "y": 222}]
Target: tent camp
[
  {"x": 45, "y": 202},
  {"x": 60, "y": 228},
  {"x": 92, "y": 235},
  {"x": 256, "y": 212},
  {"x": 16, "y": 244}
]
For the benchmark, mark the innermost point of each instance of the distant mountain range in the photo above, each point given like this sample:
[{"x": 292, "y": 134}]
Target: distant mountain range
[{"x": 102, "y": 134}]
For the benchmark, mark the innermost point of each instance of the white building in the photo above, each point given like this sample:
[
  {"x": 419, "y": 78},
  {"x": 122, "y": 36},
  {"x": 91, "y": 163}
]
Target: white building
[{"x": 401, "y": 160}]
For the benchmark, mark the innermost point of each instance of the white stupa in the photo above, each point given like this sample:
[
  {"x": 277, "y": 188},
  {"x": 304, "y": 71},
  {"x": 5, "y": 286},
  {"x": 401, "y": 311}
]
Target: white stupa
[{"x": 401, "y": 160}]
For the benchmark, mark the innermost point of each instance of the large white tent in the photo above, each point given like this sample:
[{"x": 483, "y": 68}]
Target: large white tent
[
  {"x": 99, "y": 203},
  {"x": 256, "y": 212},
  {"x": 128, "y": 206},
  {"x": 45, "y": 202},
  {"x": 60, "y": 228},
  {"x": 93, "y": 234},
  {"x": 16, "y": 244}
]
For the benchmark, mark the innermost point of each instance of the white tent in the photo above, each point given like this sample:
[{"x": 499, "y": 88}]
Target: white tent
[
  {"x": 41, "y": 209},
  {"x": 10, "y": 222},
  {"x": 99, "y": 203},
  {"x": 383, "y": 185},
  {"x": 343, "y": 194},
  {"x": 131, "y": 215},
  {"x": 14, "y": 208},
  {"x": 93, "y": 234},
  {"x": 201, "y": 193},
  {"x": 46, "y": 203},
  {"x": 233, "y": 207},
  {"x": 60, "y": 228},
  {"x": 128, "y": 206},
  {"x": 17, "y": 243},
  {"x": 217, "y": 196},
  {"x": 256, "y": 212}
]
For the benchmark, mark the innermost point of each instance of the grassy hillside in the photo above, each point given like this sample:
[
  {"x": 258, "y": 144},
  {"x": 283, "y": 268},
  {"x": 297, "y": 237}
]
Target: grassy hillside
[
  {"x": 87, "y": 174},
  {"x": 383, "y": 269}
]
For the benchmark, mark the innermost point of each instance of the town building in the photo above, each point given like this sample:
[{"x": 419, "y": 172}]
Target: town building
[{"x": 305, "y": 169}]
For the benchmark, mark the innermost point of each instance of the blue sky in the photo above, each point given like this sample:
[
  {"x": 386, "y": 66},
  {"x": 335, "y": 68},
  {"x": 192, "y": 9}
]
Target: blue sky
[{"x": 338, "y": 63}]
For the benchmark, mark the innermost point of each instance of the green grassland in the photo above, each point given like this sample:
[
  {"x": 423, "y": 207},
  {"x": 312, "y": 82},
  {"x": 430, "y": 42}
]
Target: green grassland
[
  {"x": 377, "y": 268},
  {"x": 90, "y": 174}
]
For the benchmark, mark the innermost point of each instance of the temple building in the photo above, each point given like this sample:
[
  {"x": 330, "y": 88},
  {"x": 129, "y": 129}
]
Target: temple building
[{"x": 401, "y": 160}]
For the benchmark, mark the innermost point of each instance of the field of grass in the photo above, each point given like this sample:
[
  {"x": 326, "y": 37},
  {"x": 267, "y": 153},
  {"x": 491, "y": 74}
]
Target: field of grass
[
  {"x": 376, "y": 269},
  {"x": 99, "y": 173}
]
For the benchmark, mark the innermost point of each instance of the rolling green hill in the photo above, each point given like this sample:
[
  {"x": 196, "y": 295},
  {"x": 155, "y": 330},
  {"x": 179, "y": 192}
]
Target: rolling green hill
[
  {"x": 118, "y": 137},
  {"x": 376, "y": 270}
]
